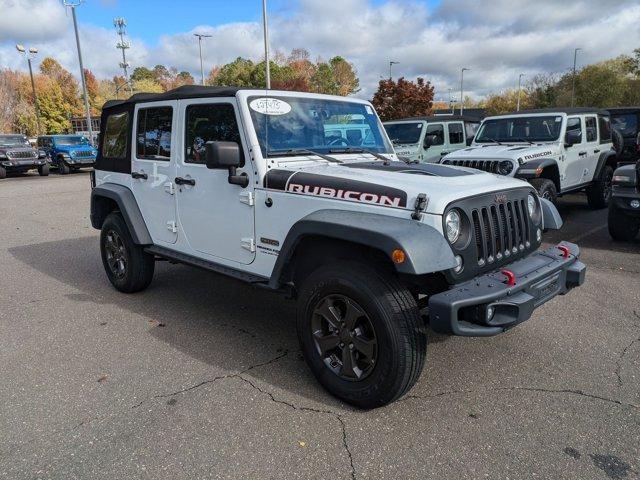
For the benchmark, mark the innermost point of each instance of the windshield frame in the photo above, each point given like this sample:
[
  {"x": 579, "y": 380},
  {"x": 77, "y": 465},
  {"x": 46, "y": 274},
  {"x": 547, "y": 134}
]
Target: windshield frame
[
  {"x": 381, "y": 144},
  {"x": 83, "y": 141},
  {"x": 21, "y": 141},
  {"x": 478, "y": 139}
]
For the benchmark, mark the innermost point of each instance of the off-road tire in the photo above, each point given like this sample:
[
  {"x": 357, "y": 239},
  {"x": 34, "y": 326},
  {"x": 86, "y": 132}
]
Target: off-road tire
[
  {"x": 399, "y": 332},
  {"x": 622, "y": 227},
  {"x": 63, "y": 168},
  {"x": 599, "y": 192},
  {"x": 43, "y": 170},
  {"x": 546, "y": 189},
  {"x": 139, "y": 265},
  {"x": 3, "y": 172}
]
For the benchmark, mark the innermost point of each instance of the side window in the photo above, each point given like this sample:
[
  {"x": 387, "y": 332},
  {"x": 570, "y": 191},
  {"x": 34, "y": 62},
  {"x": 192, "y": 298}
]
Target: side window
[
  {"x": 115, "y": 136},
  {"x": 153, "y": 133},
  {"x": 210, "y": 123},
  {"x": 592, "y": 129},
  {"x": 605, "y": 129},
  {"x": 436, "y": 132},
  {"x": 456, "y": 133},
  {"x": 575, "y": 124}
]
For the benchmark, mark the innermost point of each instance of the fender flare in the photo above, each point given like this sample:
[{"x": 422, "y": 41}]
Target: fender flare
[
  {"x": 426, "y": 249},
  {"x": 128, "y": 207},
  {"x": 530, "y": 169},
  {"x": 602, "y": 161},
  {"x": 551, "y": 219}
]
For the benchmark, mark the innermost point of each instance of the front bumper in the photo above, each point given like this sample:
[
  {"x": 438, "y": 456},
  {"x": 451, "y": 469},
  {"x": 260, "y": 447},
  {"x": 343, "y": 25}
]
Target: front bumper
[
  {"x": 22, "y": 164},
  {"x": 623, "y": 196},
  {"x": 465, "y": 308}
]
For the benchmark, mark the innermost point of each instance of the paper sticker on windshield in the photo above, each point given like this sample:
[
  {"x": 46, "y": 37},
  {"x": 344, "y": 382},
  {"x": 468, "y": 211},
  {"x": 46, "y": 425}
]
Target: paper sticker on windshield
[
  {"x": 270, "y": 106},
  {"x": 368, "y": 109}
]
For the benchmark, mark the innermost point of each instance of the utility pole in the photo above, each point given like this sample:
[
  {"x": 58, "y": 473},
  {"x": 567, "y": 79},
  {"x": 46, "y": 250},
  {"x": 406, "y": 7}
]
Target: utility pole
[
  {"x": 73, "y": 4},
  {"x": 462, "y": 90},
  {"x": 573, "y": 80},
  {"x": 266, "y": 45},
  {"x": 121, "y": 25},
  {"x": 451, "y": 102},
  {"x": 391, "y": 64},
  {"x": 30, "y": 54},
  {"x": 519, "y": 89},
  {"x": 200, "y": 37}
]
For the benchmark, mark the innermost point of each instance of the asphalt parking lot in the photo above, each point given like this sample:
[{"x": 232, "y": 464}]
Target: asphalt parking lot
[{"x": 201, "y": 376}]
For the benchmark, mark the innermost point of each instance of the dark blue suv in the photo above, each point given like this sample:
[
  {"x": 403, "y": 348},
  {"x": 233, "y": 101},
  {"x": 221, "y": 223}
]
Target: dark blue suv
[{"x": 68, "y": 152}]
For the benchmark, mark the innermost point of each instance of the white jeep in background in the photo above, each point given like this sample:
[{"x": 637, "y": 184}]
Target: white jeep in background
[
  {"x": 264, "y": 187},
  {"x": 428, "y": 139},
  {"x": 558, "y": 151}
]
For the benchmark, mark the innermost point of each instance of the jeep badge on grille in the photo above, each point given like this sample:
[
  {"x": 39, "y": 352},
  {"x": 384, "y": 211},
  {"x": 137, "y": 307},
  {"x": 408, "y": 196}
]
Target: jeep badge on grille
[{"x": 501, "y": 198}]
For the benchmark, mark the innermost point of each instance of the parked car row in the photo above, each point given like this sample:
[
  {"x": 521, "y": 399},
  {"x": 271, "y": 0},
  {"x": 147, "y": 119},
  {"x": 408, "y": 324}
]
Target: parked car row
[{"x": 66, "y": 153}]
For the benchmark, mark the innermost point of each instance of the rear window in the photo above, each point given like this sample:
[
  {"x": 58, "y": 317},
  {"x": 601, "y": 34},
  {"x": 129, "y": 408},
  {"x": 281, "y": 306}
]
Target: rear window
[
  {"x": 153, "y": 133},
  {"x": 115, "y": 136},
  {"x": 626, "y": 124}
]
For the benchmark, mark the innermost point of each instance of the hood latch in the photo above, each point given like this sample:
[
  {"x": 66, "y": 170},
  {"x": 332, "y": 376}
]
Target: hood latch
[{"x": 420, "y": 206}]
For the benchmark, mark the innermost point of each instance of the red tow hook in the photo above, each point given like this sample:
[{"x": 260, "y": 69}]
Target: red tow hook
[
  {"x": 511, "y": 277},
  {"x": 564, "y": 250}
]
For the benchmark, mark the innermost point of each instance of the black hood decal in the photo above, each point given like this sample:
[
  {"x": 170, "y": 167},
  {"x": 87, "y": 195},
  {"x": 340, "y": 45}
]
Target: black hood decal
[{"x": 431, "y": 169}]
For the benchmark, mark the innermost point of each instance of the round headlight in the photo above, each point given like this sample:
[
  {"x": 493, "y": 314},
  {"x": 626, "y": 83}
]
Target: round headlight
[
  {"x": 532, "y": 205},
  {"x": 453, "y": 225},
  {"x": 505, "y": 167}
]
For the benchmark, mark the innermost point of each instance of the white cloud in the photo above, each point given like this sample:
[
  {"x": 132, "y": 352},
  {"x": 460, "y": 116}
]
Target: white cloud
[{"x": 496, "y": 39}]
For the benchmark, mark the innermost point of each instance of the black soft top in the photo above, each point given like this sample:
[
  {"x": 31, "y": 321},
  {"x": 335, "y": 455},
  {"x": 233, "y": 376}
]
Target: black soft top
[
  {"x": 567, "y": 110},
  {"x": 623, "y": 110},
  {"x": 439, "y": 118},
  {"x": 186, "y": 91}
]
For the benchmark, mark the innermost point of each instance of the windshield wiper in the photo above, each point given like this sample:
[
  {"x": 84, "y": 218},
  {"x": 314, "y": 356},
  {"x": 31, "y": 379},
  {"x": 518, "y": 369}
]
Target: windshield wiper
[
  {"x": 524, "y": 140},
  {"x": 370, "y": 152},
  {"x": 301, "y": 151},
  {"x": 492, "y": 140}
]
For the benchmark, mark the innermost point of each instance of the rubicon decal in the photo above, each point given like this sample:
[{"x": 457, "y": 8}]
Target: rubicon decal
[
  {"x": 365, "y": 197},
  {"x": 538, "y": 155}
]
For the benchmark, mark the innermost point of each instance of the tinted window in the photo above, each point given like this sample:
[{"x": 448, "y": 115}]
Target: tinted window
[
  {"x": 575, "y": 124},
  {"x": 153, "y": 133},
  {"x": 591, "y": 128},
  {"x": 605, "y": 129},
  {"x": 626, "y": 124},
  {"x": 520, "y": 129},
  {"x": 436, "y": 132},
  {"x": 404, "y": 133},
  {"x": 209, "y": 123},
  {"x": 456, "y": 133},
  {"x": 115, "y": 136}
]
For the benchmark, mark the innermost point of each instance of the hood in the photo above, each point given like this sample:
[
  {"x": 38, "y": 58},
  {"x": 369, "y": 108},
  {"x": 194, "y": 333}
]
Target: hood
[
  {"x": 393, "y": 184},
  {"x": 513, "y": 152},
  {"x": 75, "y": 148}
]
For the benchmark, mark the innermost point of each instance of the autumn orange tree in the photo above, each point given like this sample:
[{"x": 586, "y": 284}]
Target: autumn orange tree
[{"x": 403, "y": 98}]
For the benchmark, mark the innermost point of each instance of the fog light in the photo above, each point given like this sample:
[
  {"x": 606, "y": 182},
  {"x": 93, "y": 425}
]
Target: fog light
[
  {"x": 459, "y": 264},
  {"x": 490, "y": 312},
  {"x": 635, "y": 203},
  {"x": 538, "y": 235}
]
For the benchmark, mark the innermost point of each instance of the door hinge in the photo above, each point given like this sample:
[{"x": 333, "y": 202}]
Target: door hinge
[
  {"x": 172, "y": 227},
  {"x": 247, "y": 198},
  {"x": 420, "y": 206},
  {"x": 248, "y": 244},
  {"x": 169, "y": 188}
]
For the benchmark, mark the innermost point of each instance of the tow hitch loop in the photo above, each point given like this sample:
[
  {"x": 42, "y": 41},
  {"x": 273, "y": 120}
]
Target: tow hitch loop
[
  {"x": 511, "y": 277},
  {"x": 564, "y": 250}
]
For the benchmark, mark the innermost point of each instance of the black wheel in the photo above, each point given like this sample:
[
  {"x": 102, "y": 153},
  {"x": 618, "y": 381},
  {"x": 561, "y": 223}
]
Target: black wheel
[
  {"x": 43, "y": 170},
  {"x": 361, "y": 334},
  {"x": 128, "y": 266},
  {"x": 599, "y": 192},
  {"x": 3, "y": 172},
  {"x": 622, "y": 227},
  {"x": 63, "y": 168},
  {"x": 546, "y": 189}
]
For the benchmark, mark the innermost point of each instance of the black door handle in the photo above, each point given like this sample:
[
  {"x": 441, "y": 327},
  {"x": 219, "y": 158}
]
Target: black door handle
[
  {"x": 185, "y": 181},
  {"x": 582, "y": 154},
  {"x": 138, "y": 175},
  {"x": 596, "y": 151}
]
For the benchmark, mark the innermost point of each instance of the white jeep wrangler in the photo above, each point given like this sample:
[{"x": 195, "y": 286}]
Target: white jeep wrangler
[
  {"x": 558, "y": 151},
  {"x": 252, "y": 184}
]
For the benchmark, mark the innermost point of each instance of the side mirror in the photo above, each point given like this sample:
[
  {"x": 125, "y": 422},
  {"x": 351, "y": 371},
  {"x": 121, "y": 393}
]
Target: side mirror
[
  {"x": 469, "y": 141},
  {"x": 572, "y": 137},
  {"x": 429, "y": 140},
  {"x": 220, "y": 155}
]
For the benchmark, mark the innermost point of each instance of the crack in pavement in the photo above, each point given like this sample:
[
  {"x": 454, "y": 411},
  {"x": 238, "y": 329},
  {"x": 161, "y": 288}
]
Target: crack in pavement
[{"x": 624, "y": 352}]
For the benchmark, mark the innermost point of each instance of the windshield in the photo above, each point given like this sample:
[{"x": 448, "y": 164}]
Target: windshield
[
  {"x": 404, "y": 133},
  {"x": 13, "y": 141},
  {"x": 520, "y": 129},
  {"x": 325, "y": 126},
  {"x": 75, "y": 140}
]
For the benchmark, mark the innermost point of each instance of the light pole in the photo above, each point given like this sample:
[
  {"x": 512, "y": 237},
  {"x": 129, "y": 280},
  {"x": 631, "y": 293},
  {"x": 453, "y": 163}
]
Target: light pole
[
  {"x": 121, "y": 24},
  {"x": 462, "y": 89},
  {"x": 573, "y": 79},
  {"x": 519, "y": 89},
  {"x": 200, "y": 37},
  {"x": 451, "y": 102},
  {"x": 391, "y": 64},
  {"x": 73, "y": 4},
  {"x": 29, "y": 54},
  {"x": 265, "y": 24}
]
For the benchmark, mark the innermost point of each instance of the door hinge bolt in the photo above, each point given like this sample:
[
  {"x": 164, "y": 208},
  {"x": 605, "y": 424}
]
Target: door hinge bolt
[
  {"x": 172, "y": 227},
  {"x": 248, "y": 244}
]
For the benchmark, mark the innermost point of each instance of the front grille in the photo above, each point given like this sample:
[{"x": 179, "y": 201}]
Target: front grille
[
  {"x": 22, "y": 154},
  {"x": 490, "y": 166},
  {"x": 83, "y": 153}
]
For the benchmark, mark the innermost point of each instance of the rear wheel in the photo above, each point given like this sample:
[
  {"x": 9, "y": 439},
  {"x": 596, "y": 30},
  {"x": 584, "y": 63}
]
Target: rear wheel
[
  {"x": 128, "y": 266},
  {"x": 43, "y": 170},
  {"x": 3, "y": 172},
  {"x": 599, "y": 192},
  {"x": 546, "y": 189},
  {"x": 622, "y": 227},
  {"x": 361, "y": 334}
]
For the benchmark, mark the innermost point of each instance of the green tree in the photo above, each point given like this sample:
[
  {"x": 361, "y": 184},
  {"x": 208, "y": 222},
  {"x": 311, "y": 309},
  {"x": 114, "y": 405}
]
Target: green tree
[
  {"x": 142, "y": 73},
  {"x": 324, "y": 81},
  {"x": 344, "y": 75},
  {"x": 236, "y": 74},
  {"x": 67, "y": 82},
  {"x": 147, "y": 85}
]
